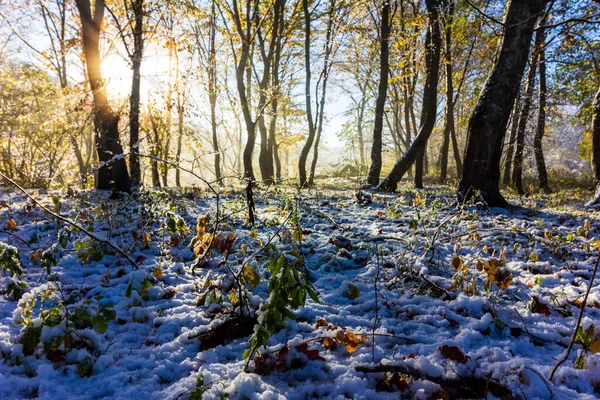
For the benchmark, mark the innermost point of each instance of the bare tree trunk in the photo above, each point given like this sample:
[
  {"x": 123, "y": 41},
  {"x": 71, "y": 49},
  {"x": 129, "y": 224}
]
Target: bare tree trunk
[
  {"x": 180, "y": 115},
  {"x": 485, "y": 135},
  {"x": 113, "y": 175},
  {"x": 511, "y": 141},
  {"x": 134, "y": 99},
  {"x": 212, "y": 90},
  {"x": 596, "y": 148},
  {"x": 416, "y": 151},
  {"x": 307, "y": 92},
  {"x": 541, "y": 121},
  {"x": 376, "y": 160},
  {"x": 449, "y": 127},
  {"x": 517, "y": 174}
]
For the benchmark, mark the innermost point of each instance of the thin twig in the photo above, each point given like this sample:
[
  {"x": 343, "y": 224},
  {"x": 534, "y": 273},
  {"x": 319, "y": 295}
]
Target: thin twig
[
  {"x": 583, "y": 303},
  {"x": 73, "y": 224}
]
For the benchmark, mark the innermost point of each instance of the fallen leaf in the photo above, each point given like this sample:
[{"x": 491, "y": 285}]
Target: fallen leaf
[{"x": 453, "y": 353}]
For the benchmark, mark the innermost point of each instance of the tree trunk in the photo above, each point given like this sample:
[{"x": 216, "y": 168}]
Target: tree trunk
[
  {"x": 307, "y": 92},
  {"x": 511, "y": 141},
  {"x": 517, "y": 174},
  {"x": 113, "y": 175},
  {"x": 180, "y": 115},
  {"x": 134, "y": 99},
  {"x": 596, "y": 148},
  {"x": 541, "y": 121},
  {"x": 416, "y": 151},
  {"x": 212, "y": 90},
  {"x": 449, "y": 95},
  {"x": 485, "y": 135},
  {"x": 376, "y": 160}
]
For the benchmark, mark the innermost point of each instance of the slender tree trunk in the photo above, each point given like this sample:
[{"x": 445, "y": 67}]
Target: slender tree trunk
[
  {"x": 325, "y": 79},
  {"x": 511, "y": 141},
  {"x": 212, "y": 89},
  {"x": 307, "y": 92},
  {"x": 449, "y": 127},
  {"x": 541, "y": 121},
  {"x": 313, "y": 164},
  {"x": 596, "y": 148},
  {"x": 361, "y": 140},
  {"x": 456, "y": 151},
  {"x": 517, "y": 174},
  {"x": 485, "y": 135},
  {"x": 113, "y": 175},
  {"x": 180, "y": 115},
  {"x": 134, "y": 99},
  {"x": 376, "y": 160},
  {"x": 154, "y": 151},
  {"x": 416, "y": 151}
]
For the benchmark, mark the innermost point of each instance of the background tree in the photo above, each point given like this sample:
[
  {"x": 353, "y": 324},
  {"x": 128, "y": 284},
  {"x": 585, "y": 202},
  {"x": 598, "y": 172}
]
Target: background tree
[
  {"x": 113, "y": 173},
  {"x": 416, "y": 151},
  {"x": 384, "y": 70},
  {"x": 481, "y": 168}
]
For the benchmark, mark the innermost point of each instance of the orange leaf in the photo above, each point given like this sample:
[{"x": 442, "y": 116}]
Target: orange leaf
[
  {"x": 321, "y": 322},
  {"x": 11, "y": 224}
]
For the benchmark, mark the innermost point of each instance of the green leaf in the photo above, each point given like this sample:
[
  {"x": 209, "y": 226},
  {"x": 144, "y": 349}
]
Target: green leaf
[
  {"x": 99, "y": 324},
  {"x": 246, "y": 353},
  {"x": 84, "y": 368},
  {"x": 128, "y": 291},
  {"x": 30, "y": 339}
]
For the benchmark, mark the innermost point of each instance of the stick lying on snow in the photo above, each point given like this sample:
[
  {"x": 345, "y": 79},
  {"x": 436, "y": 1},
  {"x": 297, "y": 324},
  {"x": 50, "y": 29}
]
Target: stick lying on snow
[{"x": 73, "y": 224}]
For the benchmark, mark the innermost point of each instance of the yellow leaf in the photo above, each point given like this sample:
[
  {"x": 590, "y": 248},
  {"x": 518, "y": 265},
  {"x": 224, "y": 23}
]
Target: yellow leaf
[
  {"x": 457, "y": 263},
  {"x": 157, "y": 272},
  {"x": 233, "y": 298},
  {"x": 329, "y": 343},
  {"x": 250, "y": 276}
]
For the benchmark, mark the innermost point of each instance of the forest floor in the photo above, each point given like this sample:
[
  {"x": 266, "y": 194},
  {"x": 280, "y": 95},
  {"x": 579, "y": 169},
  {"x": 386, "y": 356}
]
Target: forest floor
[{"x": 417, "y": 297}]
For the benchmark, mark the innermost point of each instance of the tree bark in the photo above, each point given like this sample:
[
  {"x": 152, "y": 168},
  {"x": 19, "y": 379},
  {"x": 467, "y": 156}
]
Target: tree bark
[
  {"x": 541, "y": 121},
  {"x": 113, "y": 175},
  {"x": 416, "y": 151},
  {"x": 596, "y": 147},
  {"x": 180, "y": 131},
  {"x": 376, "y": 160},
  {"x": 449, "y": 127},
  {"x": 511, "y": 141},
  {"x": 517, "y": 174},
  {"x": 485, "y": 135},
  {"x": 212, "y": 89},
  {"x": 325, "y": 79},
  {"x": 137, "y": 7},
  {"x": 307, "y": 94}
]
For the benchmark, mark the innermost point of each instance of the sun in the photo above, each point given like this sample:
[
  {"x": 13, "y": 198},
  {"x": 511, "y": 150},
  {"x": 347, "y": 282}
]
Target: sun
[{"x": 117, "y": 74}]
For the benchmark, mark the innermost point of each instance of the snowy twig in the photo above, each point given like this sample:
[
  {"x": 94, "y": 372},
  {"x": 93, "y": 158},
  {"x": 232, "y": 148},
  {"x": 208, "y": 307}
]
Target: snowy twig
[
  {"x": 376, "y": 306},
  {"x": 583, "y": 303},
  {"x": 73, "y": 224}
]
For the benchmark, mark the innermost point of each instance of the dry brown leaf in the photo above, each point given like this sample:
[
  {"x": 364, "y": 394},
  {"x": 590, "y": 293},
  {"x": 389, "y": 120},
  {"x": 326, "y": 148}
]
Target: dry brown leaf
[{"x": 321, "y": 322}]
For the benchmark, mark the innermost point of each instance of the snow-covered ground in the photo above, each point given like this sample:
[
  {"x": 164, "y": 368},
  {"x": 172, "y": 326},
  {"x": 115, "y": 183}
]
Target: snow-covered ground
[{"x": 400, "y": 271}]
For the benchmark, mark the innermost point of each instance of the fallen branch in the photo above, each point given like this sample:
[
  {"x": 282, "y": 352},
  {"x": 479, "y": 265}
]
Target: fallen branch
[
  {"x": 73, "y": 224},
  {"x": 459, "y": 387}
]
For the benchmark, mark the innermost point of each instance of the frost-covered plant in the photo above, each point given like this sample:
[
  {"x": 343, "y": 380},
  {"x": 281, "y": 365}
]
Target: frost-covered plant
[
  {"x": 590, "y": 343},
  {"x": 9, "y": 263},
  {"x": 288, "y": 289},
  {"x": 58, "y": 323}
]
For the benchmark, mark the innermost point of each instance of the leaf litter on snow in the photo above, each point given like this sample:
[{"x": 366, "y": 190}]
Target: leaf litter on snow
[{"x": 416, "y": 297}]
